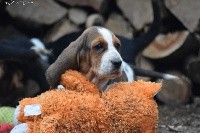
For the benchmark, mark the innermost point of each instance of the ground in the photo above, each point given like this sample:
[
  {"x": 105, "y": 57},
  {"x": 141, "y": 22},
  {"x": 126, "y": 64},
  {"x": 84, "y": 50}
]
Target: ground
[{"x": 180, "y": 118}]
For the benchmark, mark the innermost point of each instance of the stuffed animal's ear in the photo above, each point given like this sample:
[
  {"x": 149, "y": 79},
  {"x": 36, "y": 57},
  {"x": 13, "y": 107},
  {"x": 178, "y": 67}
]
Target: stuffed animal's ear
[
  {"x": 66, "y": 60},
  {"x": 148, "y": 88},
  {"x": 153, "y": 89}
]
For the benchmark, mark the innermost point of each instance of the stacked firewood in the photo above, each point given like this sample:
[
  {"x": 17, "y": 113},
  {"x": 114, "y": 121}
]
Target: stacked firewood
[{"x": 175, "y": 50}]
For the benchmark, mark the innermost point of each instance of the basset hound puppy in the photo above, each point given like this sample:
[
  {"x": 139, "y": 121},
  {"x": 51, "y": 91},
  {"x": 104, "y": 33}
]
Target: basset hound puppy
[{"x": 96, "y": 54}]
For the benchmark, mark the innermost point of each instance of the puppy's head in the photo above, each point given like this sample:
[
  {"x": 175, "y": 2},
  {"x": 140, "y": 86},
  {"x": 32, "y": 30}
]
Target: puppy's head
[
  {"x": 95, "y": 54},
  {"x": 101, "y": 55}
]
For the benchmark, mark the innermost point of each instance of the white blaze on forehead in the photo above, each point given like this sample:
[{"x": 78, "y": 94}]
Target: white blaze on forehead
[
  {"x": 107, "y": 35},
  {"x": 106, "y": 66}
]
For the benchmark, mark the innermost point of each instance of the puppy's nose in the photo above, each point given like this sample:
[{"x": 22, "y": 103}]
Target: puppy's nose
[{"x": 117, "y": 64}]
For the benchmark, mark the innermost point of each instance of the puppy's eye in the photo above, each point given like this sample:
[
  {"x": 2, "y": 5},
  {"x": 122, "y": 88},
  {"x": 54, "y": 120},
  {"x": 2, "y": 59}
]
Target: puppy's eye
[
  {"x": 117, "y": 46},
  {"x": 99, "y": 47}
]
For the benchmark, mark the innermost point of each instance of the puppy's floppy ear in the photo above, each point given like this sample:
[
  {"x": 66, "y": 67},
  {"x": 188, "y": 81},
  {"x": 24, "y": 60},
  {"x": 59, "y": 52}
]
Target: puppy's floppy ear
[{"x": 66, "y": 60}]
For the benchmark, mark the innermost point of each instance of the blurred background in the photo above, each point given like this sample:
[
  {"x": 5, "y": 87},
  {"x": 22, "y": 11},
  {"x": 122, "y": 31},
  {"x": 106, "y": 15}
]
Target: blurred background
[{"x": 174, "y": 49}]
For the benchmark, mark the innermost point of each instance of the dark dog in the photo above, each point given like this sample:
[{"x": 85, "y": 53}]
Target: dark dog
[{"x": 21, "y": 60}]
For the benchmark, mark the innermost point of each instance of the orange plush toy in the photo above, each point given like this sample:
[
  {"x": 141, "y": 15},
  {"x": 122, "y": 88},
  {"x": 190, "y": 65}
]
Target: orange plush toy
[{"x": 123, "y": 107}]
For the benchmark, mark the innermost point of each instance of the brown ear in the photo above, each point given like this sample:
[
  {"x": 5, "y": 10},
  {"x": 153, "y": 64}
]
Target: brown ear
[{"x": 66, "y": 60}]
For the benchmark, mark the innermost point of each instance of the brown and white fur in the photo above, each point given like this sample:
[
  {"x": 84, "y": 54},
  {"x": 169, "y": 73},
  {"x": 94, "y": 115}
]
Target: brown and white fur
[{"x": 96, "y": 54}]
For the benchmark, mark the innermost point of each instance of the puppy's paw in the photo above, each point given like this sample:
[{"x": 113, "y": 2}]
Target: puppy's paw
[{"x": 60, "y": 87}]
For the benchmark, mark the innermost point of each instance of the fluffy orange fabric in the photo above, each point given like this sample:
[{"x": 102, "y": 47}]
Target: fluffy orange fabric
[{"x": 124, "y": 107}]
